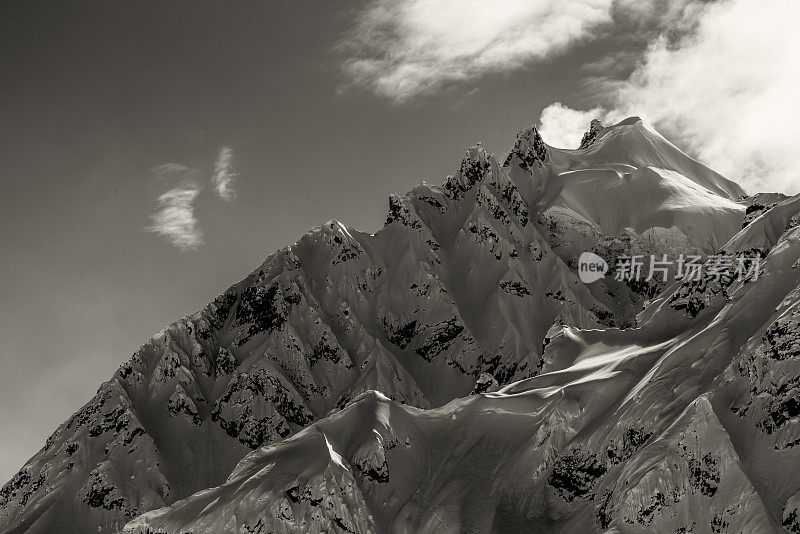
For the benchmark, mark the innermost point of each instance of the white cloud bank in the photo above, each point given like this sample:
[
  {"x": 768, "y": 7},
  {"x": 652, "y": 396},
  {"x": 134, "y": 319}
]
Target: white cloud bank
[
  {"x": 403, "y": 48},
  {"x": 726, "y": 91},
  {"x": 174, "y": 217},
  {"x": 224, "y": 175}
]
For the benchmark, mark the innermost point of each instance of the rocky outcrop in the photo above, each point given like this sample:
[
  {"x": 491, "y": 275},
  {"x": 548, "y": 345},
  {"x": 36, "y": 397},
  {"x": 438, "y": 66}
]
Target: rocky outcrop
[{"x": 591, "y": 134}]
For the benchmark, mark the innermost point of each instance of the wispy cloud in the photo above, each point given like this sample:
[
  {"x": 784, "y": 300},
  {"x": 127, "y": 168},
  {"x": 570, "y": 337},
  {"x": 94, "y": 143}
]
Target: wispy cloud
[
  {"x": 174, "y": 218},
  {"x": 172, "y": 170},
  {"x": 404, "y": 48},
  {"x": 224, "y": 175}
]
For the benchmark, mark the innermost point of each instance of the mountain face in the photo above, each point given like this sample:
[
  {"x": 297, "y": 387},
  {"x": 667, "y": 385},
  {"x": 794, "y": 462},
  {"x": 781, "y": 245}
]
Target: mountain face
[{"x": 451, "y": 372}]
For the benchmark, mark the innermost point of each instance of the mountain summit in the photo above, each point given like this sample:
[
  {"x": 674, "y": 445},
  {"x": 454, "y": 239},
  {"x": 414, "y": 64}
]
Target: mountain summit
[{"x": 451, "y": 372}]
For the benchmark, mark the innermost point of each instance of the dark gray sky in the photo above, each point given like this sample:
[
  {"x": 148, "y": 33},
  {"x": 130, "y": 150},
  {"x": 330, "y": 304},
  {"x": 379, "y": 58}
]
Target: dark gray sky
[{"x": 94, "y": 95}]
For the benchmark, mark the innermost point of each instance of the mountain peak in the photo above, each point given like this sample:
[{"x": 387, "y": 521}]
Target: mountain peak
[
  {"x": 476, "y": 164},
  {"x": 529, "y": 149},
  {"x": 633, "y": 119},
  {"x": 597, "y": 129}
]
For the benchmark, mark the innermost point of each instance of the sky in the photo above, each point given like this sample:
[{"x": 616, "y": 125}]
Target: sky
[{"x": 154, "y": 153}]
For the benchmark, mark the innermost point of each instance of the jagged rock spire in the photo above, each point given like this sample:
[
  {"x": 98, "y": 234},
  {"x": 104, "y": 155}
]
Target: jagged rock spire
[
  {"x": 529, "y": 149},
  {"x": 475, "y": 165},
  {"x": 590, "y": 136}
]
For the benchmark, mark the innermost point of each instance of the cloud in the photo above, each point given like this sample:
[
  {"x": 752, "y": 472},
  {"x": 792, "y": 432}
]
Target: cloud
[
  {"x": 404, "y": 48},
  {"x": 563, "y": 127},
  {"x": 174, "y": 217},
  {"x": 727, "y": 89},
  {"x": 720, "y": 82},
  {"x": 718, "y": 78},
  {"x": 172, "y": 170},
  {"x": 224, "y": 175}
]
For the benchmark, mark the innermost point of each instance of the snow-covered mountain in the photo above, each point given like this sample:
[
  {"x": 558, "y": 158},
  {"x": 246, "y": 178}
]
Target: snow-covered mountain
[{"x": 451, "y": 372}]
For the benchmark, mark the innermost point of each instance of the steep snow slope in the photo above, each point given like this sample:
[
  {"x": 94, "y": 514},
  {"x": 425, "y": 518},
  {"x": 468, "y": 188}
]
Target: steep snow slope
[
  {"x": 629, "y": 176},
  {"x": 458, "y": 293},
  {"x": 651, "y": 197}
]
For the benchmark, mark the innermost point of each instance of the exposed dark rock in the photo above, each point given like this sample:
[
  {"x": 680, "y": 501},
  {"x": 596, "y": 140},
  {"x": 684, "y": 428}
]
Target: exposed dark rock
[{"x": 575, "y": 473}]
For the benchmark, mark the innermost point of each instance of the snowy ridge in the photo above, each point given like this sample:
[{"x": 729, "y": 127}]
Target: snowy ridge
[{"x": 459, "y": 293}]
